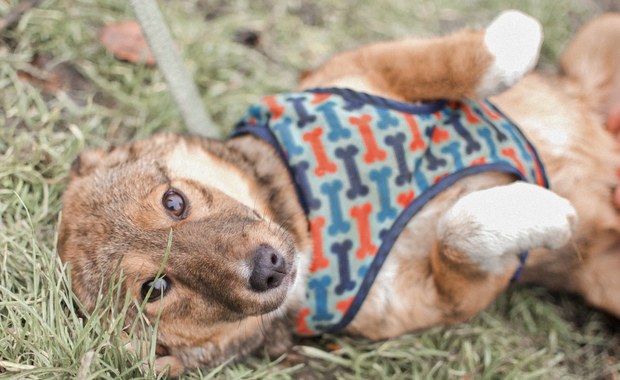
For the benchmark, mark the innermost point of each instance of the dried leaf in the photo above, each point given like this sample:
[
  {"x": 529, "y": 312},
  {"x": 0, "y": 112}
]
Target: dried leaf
[
  {"x": 53, "y": 77},
  {"x": 126, "y": 42}
]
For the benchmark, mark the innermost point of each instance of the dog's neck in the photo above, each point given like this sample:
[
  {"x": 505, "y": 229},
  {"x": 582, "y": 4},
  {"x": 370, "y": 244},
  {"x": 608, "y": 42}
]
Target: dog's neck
[{"x": 275, "y": 188}]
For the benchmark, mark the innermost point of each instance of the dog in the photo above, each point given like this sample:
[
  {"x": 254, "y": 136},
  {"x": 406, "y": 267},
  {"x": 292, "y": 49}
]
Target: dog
[{"x": 253, "y": 226}]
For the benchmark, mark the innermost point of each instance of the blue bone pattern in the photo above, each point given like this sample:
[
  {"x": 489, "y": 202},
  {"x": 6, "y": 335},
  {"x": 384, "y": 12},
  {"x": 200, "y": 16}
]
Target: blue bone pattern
[
  {"x": 303, "y": 117},
  {"x": 320, "y": 285},
  {"x": 432, "y": 162},
  {"x": 386, "y": 119},
  {"x": 471, "y": 146},
  {"x": 522, "y": 151},
  {"x": 453, "y": 149},
  {"x": 283, "y": 128},
  {"x": 356, "y": 187},
  {"x": 301, "y": 174},
  {"x": 499, "y": 135},
  {"x": 352, "y": 104},
  {"x": 338, "y": 224},
  {"x": 488, "y": 138},
  {"x": 397, "y": 143},
  {"x": 336, "y": 131},
  {"x": 381, "y": 178},
  {"x": 341, "y": 250}
]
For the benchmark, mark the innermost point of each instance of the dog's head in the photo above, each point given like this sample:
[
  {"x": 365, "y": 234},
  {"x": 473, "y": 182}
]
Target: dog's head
[{"x": 230, "y": 262}]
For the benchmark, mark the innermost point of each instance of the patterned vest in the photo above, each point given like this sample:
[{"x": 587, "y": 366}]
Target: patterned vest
[{"x": 364, "y": 165}]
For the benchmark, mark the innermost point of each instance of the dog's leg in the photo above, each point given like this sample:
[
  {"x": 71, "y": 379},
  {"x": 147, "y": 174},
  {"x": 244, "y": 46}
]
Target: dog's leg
[
  {"x": 473, "y": 258},
  {"x": 480, "y": 237},
  {"x": 491, "y": 227},
  {"x": 172, "y": 366},
  {"x": 464, "y": 64}
]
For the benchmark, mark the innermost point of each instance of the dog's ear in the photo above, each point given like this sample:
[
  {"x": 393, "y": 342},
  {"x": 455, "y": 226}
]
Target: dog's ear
[
  {"x": 90, "y": 160},
  {"x": 86, "y": 162}
]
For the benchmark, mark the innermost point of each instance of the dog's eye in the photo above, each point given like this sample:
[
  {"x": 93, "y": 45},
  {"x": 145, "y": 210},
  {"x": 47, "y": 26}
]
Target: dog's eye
[
  {"x": 159, "y": 288},
  {"x": 174, "y": 202}
]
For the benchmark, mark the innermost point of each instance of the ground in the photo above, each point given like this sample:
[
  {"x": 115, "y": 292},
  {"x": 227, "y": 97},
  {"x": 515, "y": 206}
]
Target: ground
[{"x": 60, "y": 92}]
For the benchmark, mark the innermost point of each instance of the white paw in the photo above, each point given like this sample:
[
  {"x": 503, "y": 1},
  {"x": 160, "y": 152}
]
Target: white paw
[
  {"x": 492, "y": 226},
  {"x": 514, "y": 40}
]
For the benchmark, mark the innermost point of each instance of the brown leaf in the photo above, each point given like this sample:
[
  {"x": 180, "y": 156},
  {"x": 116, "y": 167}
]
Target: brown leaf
[
  {"x": 53, "y": 77},
  {"x": 125, "y": 41},
  {"x": 332, "y": 347}
]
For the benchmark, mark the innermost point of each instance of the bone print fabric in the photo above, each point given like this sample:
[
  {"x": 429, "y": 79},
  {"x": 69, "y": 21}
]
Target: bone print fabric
[{"x": 364, "y": 165}]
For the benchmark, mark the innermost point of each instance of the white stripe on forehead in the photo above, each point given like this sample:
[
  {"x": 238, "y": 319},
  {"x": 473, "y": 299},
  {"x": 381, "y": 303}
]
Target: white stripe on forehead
[{"x": 193, "y": 162}]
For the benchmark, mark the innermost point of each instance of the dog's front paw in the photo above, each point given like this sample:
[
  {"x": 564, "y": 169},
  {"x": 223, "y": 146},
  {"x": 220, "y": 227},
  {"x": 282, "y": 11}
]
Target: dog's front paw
[
  {"x": 513, "y": 39},
  {"x": 171, "y": 366},
  {"x": 492, "y": 226}
]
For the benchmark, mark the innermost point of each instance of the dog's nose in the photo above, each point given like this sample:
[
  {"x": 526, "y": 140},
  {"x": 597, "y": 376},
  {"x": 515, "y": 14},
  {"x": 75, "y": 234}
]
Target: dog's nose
[{"x": 269, "y": 269}]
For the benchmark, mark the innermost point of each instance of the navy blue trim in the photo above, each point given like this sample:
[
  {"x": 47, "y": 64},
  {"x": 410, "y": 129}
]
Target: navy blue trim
[
  {"x": 264, "y": 133},
  {"x": 533, "y": 151},
  {"x": 362, "y": 97},
  {"x": 522, "y": 259},
  {"x": 401, "y": 222}
]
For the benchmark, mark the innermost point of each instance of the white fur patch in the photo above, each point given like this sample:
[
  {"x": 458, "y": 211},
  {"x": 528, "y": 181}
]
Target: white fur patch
[
  {"x": 357, "y": 83},
  {"x": 514, "y": 40},
  {"x": 196, "y": 164},
  {"x": 492, "y": 226}
]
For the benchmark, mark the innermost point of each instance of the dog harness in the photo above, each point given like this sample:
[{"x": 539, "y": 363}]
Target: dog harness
[{"x": 364, "y": 165}]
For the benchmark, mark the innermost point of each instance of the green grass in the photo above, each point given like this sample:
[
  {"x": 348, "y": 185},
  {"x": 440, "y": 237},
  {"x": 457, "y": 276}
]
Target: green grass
[{"x": 526, "y": 334}]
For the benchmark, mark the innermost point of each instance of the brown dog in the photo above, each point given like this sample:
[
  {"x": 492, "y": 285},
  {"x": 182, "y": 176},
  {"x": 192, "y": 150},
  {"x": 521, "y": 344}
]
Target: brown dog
[{"x": 243, "y": 247}]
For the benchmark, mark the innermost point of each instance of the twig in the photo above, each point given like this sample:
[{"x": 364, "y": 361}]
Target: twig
[
  {"x": 85, "y": 365},
  {"x": 16, "y": 14},
  {"x": 15, "y": 366}
]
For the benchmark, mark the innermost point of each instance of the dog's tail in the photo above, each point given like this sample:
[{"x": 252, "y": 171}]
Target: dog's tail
[{"x": 464, "y": 64}]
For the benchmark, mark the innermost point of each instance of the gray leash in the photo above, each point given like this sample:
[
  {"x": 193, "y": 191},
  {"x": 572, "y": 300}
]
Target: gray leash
[{"x": 183, "y": 88}]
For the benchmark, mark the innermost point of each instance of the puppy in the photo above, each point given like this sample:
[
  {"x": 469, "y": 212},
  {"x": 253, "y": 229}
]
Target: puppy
[{"x": 364, "y": 204}]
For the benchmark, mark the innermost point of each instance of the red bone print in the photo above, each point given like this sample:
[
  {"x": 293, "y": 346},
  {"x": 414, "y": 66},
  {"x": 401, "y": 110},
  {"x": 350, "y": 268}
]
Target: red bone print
[
  {"x": 344, "y": 305},
  {"x": 319, "y": 261},
  {"x": 439, "y": 178},
  {"x": 324, "y": 165},
  {"x": 405, "y": 198},
  {"x": 302, "y": 325},
  {"x": 492, "y": 114},
  {"x": 510, "y": 153},
  {"x": 276, "y": 109},
  {"x": 540, "y": 180},
  {"x": 361, "y": 215},
  {"x": 373, "y": 152},
  {"x": 418, "y": 142},
  {"x": 318, "y": 98},
  {"x": 479, "y": 161},
  {"x": 471, "y": 118},
  {"x": 440, "y": 135}
]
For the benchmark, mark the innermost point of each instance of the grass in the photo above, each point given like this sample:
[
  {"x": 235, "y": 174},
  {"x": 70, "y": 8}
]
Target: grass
[{"x": 526, "y": 334}]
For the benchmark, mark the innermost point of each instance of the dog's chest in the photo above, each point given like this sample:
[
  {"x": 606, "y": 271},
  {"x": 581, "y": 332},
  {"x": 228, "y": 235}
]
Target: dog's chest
[{"x": 364, "y": 165}]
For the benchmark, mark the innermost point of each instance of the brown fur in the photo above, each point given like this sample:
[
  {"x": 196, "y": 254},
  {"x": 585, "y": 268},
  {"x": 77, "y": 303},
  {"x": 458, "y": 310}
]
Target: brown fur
[
  {"x": 447, "y": 67},
  {"x": 240, "y": 197}
]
